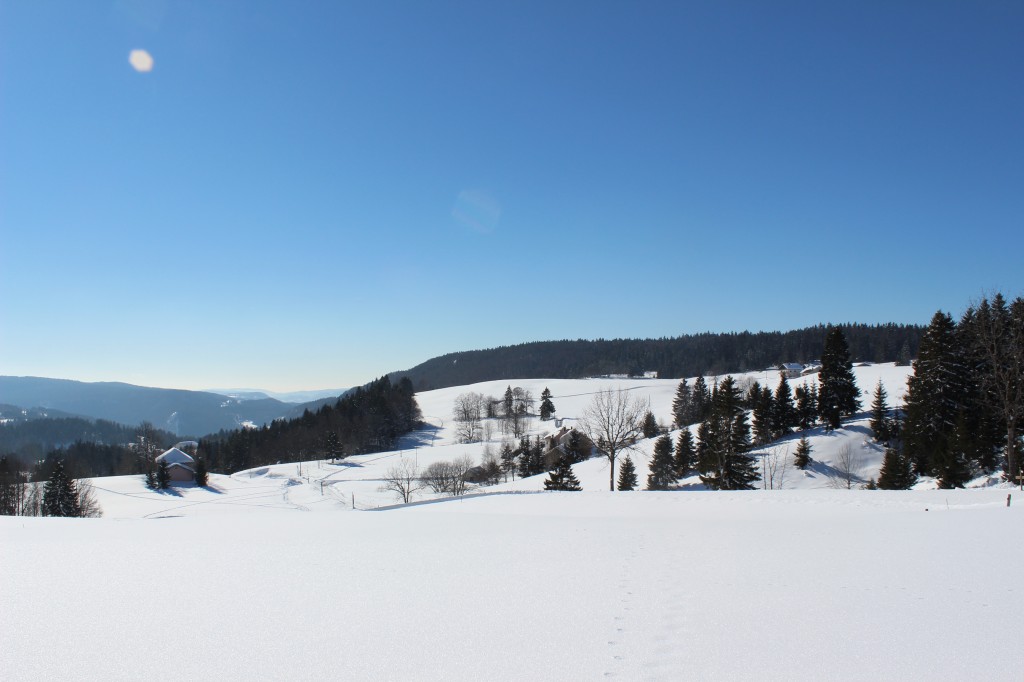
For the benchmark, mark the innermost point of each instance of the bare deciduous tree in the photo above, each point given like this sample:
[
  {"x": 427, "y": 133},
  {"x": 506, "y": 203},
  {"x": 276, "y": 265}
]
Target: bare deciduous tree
[
  {"x": 845, "y": 468},
  {"x": 403, "y": 479},
  {"x": 774, "y": 465},
  {"x": 613, "y": 421},
  {"x": 448, "y": 478},
  {"x": 88, "y": 506},
  {"x": 467, "y": 413}
]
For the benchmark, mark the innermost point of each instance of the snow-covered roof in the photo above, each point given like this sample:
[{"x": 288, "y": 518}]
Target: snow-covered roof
[
  {"x": 175, "y": 456},
  {"x": 792, "y": 365}
]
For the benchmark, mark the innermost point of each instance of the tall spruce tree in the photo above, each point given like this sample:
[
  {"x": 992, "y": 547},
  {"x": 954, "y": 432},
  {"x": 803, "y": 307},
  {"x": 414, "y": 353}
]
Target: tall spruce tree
[
  {"x": 754, "y": 395},
  {"x": 202, "y": 475},
  {"x": 783, "y": 412},
  {"x": 838, "y": 395},
  {"x": 952, "y": 464},
  {"x": 562, "y": 477},
  {"x": 897, "y": 472},
  {"x": 682, "y": 405},
  {"x": 934, "y": 394},
  {"x": 508, "y": 460},
  {"x": 662, "y": 473},
  {"x": 723, "y": 462},
  {"x": 576, "y": 447},
  {"x": 700, "y": 400},
  {"x": 627, "y": 474},
  {"x": 802, "y": 456},
  {"x": 163, "y": 475},
  {"x": 763, "y": 408},
  {"x": 998, "y": 342},
  {"x": 60, "y": 494},
  {"x": 683, "y": 460},
  {"x": 650, "y": 425},
  {"x": 547, "y": 408},
  {"x": 880, "y": 414}
]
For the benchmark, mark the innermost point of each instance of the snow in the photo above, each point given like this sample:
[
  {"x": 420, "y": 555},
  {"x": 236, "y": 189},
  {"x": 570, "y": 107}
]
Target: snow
[
  {"x": 175, "y": 456},
  {"x": 790, "y": 585},
  {"x": 269, "y": 573}
]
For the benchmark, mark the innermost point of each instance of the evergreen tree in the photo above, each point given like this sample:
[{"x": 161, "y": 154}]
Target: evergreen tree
[
  {"x": 754, "y": 395},
  {"x": 683, "y": 461},
  {"x": 627, "y": 474},
  {"x": 934, "y": 395},
  {"x": 60, "y": 495},
  {"x": 951, "y": 465},
  {"x": 508, "y": 460},
  {"x": 547, "y": 408},
  {"x": 880, "y": 414},
  {"x": 562, "y": 477},
  {"x": 700, "y": 401},
  {"x": 576, "y": 447},
  {"x": 650, "y": 425},
  {"x": 150, "y": 479},
  {"x": 508, "y": 402},
  {"x": 784, "y": 416},
  {"x": 662, "y": 473},
  {"x": 723, "y": 462},
  {"x": 531, "y": 457},
  {"x": 163, "y": 475},
  {"x": 202, "y": 475},
  {"x": 682, "y": 405},
  {"x": 763, "y": 409},
  {"x": 807, "y": 405},
  {"x": 838, "y": 392},
  {"x": 802, "y": 456},
  {"x": 903, "y": 357},
  {"x": 332, "y": 446},
  {"x": 897, "y": 472}
]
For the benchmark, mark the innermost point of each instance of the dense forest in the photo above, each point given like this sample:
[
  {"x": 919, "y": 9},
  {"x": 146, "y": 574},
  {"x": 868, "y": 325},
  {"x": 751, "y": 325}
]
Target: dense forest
[
  {"x": 33, "y": 439},
  {"x": 369, "y": 419},
  {"x": 682, "y": 356}
]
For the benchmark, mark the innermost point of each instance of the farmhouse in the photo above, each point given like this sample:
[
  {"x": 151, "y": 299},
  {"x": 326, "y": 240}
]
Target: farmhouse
[
  {"x": 791, "y": 370},
  {"x": 180, "y": 466}
]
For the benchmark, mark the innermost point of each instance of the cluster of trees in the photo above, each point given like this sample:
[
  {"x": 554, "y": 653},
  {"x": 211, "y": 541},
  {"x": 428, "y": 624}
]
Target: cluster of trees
[
  {"x": 513, "y": 410},
  {"x": 964, "y": 408},
  {"x": 721, "y": 454},
  {"x": 683, "y": 356},
  {"x": 369, "y": 419},
  {"x": 59, "y": 495},
  {"x": 776, "y": 413}
]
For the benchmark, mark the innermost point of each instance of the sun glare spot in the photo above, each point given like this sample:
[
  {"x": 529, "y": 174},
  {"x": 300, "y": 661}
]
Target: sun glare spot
[{"x": 141, "y": 61}]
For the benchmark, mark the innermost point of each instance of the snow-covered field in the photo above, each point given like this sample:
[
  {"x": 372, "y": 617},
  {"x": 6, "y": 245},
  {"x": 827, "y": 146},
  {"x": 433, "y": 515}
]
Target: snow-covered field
[{"x": 242, "y": 582}]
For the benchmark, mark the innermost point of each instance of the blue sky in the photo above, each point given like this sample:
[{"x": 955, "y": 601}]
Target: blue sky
[{"x": 307, "y": 195}]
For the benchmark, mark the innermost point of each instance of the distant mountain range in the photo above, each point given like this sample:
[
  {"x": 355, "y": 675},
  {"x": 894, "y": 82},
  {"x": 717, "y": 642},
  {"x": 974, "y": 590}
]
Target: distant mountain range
[
  {"x": 184, "y": 413},
  {"x": 295, "y": 397}
]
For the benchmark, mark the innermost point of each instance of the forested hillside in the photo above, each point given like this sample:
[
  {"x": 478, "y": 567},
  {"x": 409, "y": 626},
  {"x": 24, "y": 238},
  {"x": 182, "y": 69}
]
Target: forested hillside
[
  {"x": 368, "y": 419},
  {"x": 33, "y": 439},
  {"x": 682, "y": 356}
]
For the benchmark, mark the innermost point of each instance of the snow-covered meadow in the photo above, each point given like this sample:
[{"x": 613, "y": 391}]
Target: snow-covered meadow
[{"x": 246, "y": 580}]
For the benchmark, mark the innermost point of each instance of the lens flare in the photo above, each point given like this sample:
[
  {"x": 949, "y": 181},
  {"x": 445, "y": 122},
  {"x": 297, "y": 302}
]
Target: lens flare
[{"x": 141, "y": 61}]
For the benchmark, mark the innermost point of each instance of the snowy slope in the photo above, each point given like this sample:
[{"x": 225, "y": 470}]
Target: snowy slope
[
  {"x": 790, "y": 585},
  {"x": 245, "y": 580},
  {"x": 320, "y": 486}
]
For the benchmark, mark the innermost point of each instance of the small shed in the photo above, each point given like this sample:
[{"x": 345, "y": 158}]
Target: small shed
[{"x": 180, "y": 466}]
